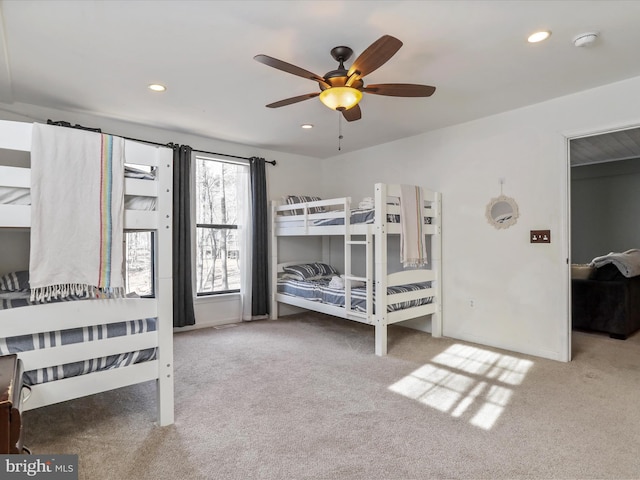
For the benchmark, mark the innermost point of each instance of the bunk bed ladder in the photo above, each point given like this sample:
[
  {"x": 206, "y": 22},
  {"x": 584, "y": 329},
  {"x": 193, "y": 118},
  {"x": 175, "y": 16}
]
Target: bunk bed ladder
[{"x": 349, "y": 278}]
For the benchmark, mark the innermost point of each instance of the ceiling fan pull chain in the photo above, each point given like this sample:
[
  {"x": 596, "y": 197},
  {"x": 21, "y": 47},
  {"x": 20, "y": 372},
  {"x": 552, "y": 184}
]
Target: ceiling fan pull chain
[{"x": 340, "y": 137}]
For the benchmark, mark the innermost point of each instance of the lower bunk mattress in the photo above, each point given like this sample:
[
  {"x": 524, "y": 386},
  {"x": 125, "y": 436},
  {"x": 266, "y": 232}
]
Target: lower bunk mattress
[
  {"x": 25, "y": 343},
  {"x": 320, "y": 291}
]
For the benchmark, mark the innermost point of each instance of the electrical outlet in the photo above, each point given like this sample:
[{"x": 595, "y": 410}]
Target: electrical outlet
[{"x": 540, "y": 236}]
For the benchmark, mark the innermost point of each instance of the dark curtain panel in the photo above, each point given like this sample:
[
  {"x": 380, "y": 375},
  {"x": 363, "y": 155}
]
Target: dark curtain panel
[
  {"x": 260, "y": 243},
  {"x": 183, "y": 313}
]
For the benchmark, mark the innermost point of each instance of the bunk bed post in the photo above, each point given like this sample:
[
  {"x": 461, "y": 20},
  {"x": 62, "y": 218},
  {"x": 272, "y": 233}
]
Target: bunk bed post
[
  {"x": 274, "y": 262},
  {"x": 164, "y": 288},
  {"x": 381, "y": 339},
  {"x": 380, "y": 246},
  {"x": 436, "y": 264}
]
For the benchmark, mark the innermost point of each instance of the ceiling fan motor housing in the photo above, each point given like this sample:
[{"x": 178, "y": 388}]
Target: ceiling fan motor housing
[{"x": 338, "y": 77}]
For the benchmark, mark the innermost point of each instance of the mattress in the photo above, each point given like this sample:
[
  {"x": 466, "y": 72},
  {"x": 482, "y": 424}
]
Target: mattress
[
  {"x": 22, "y": 196},
  {"x": 320, "y": 291},
  {"x": 357, "y": 216},
  {"x": 25, "y": 343}
]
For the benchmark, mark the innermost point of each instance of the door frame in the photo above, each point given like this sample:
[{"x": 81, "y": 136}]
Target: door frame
[{"x": 568, "y": 136}]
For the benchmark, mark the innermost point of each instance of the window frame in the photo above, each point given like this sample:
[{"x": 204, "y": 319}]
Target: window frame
[
  {"x": 194, "y": 202},
  {"x": 152, "y": 253}
]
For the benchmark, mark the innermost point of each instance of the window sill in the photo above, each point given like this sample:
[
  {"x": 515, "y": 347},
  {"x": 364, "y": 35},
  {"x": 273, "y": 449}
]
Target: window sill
[{"x": 223, "y": 297}]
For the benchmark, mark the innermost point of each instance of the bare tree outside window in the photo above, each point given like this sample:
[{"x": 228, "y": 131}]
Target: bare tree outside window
[
  {"x": 217, "y": 247},
  {"x": 138, "y": 263}
]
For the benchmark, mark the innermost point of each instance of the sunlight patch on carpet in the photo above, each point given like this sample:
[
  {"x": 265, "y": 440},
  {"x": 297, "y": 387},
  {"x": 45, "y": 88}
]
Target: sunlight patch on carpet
[{"x": 466, "y": 381}]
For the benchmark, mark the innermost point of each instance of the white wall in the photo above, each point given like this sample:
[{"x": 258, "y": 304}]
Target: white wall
[
  {"x": 519, "y": 290},
  {"x": 605, "y": 207},
  {"x": 291, "y": 172}
]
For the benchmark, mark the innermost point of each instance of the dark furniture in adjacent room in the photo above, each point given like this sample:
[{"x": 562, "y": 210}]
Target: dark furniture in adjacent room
[
  {"x": 606, "y": 302},
  {"x": 11, "y": 438}
]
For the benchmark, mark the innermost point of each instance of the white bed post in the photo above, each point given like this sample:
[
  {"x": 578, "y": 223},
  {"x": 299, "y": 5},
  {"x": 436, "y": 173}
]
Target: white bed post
[
  {"x": 380, "y": 245},
  {"x": 274, "y": 262},
  {"x": 436, "y": 264},
  {"x": 164, "y": 287}
]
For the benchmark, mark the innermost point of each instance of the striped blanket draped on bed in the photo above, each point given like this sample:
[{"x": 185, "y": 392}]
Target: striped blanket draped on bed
[{"x": 77, "y": 192}]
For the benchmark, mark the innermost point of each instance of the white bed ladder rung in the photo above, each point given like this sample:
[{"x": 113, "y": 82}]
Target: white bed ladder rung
[
  {"x": 357, "y": 242},
  {"x": 357, "y": 279}
]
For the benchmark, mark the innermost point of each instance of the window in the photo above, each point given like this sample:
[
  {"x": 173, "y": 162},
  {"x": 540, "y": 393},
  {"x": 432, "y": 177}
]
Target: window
[
  {"x": 139, "y": 263},
  {"x": 138, "y": 248},
  {"x": 217, "y": 244}
]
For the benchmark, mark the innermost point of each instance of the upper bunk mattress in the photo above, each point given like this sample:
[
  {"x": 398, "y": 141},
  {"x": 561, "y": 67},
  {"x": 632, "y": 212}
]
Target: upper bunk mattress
[
  {"x": 22, "y": 196},
  {"x": 360, "y": 216}
]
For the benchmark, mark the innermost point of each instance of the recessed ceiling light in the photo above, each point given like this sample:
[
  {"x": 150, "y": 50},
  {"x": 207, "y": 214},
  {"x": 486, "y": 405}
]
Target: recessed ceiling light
[
  {"x": 307, "y": 126},
  {"x": 156, "y": 87},
  {"x": 539, "y": 36}
]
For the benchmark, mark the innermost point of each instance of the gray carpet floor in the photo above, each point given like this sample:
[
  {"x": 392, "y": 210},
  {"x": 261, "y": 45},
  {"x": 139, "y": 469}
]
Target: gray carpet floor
[{"x": 305, "y": 398}]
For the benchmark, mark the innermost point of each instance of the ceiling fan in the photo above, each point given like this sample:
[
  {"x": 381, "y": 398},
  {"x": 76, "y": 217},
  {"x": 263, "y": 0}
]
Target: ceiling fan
[{"x": 342, "y": 89}]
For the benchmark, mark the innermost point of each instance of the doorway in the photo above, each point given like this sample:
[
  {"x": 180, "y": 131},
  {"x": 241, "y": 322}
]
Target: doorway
[{"x": 604, "y": 205}]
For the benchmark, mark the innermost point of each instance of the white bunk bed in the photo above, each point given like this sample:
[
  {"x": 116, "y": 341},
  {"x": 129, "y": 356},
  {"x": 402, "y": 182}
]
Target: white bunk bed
[
  {"x": 94, "y": 313},
  {"x": 383, "y": 300}
]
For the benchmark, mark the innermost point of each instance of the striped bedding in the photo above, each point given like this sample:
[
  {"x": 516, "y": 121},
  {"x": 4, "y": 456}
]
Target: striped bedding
[
  {"x": 22, "y": 196},
  {"x": 360, "y": 215},
  {"x": 26, "y": 343},
  {"x": 320, "y": 291}
]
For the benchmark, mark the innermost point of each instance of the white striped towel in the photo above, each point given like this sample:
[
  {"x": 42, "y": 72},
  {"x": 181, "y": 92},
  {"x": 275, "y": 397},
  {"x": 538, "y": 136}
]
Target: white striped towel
[
  {"x": 77, "y": 195},
  {"x": 413, "y": 249}
]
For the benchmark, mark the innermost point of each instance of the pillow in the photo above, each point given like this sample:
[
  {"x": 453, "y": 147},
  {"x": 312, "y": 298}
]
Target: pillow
[
  {"x": 14, "y": 281},
  {"x": 292, "y": 199},
  {"x": 303, "y": 271},
  {"x": 310, "y": 271},
  {"x": 324, "y": 270}
]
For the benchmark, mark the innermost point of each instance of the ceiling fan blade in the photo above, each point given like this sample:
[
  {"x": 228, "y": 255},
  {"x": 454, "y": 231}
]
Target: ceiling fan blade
[
  {"x": 354, "y": 113},
  {"x": 287, "y": 67},
  {"x": 376, "y": 55},
  {"x": 400, "y": 90},
  {"x": 289, "y": 101}
]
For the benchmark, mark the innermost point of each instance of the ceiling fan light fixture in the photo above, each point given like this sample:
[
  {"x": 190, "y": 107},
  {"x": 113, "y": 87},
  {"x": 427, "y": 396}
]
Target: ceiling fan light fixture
[{"x": 340, "y": 98}]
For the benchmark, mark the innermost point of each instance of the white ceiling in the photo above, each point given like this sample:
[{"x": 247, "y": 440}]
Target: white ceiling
[{"x": 98, "y": 57}]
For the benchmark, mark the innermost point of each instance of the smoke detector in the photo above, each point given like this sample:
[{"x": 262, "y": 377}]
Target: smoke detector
[{"x": 585, "y": 39}]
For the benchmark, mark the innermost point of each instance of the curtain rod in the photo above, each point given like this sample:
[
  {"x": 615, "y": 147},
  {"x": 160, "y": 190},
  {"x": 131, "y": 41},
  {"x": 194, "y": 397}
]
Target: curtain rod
[
  {"x": 169, "y": 145},
  {"x": 272, "y": 162}
]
